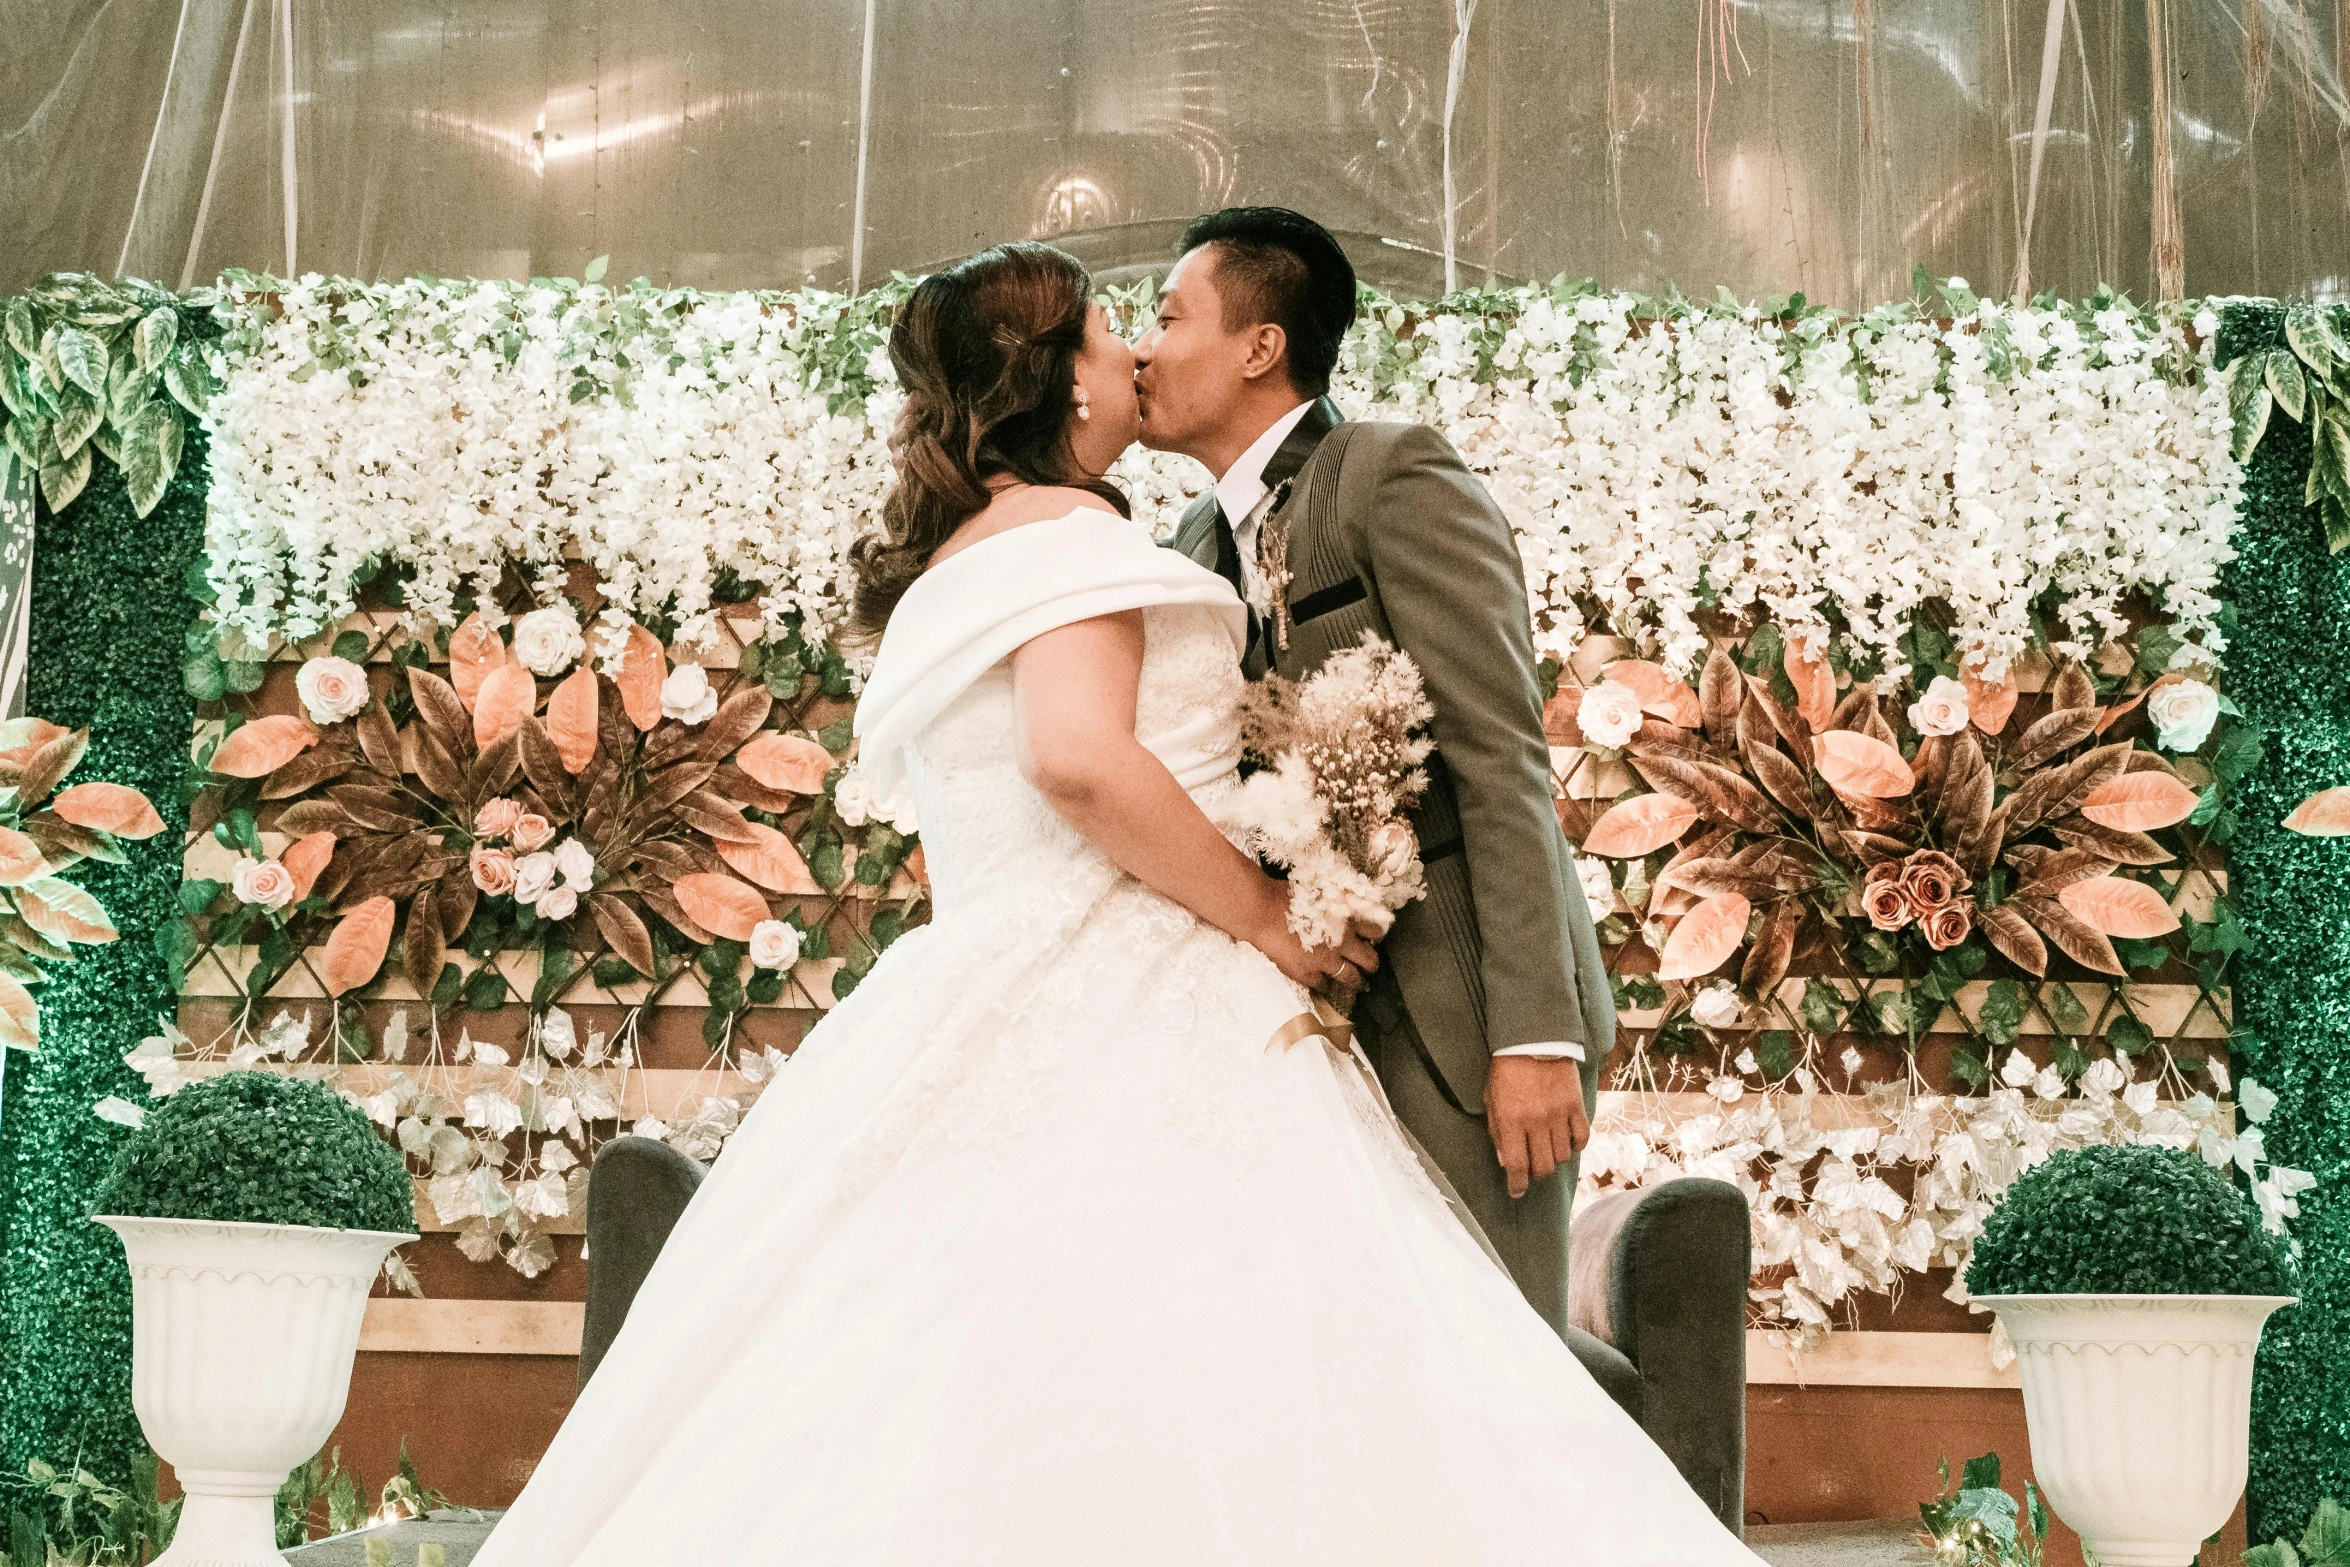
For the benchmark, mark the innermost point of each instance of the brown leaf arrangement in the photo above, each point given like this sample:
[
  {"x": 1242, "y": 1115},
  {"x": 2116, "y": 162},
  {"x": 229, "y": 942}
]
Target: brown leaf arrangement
[
  {"x": 42, "y": 915},
  {"x": 1782, "y": 809},
  {"x": 402, "y": 833}
]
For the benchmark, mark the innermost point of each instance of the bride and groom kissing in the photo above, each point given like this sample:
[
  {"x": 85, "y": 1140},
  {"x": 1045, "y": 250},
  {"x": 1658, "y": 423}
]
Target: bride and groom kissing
[{"x": 1056, "y": 1244}]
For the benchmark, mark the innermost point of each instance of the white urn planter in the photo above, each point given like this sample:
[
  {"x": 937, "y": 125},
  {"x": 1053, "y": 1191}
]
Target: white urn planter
[
  {"x": 241, "y": 1344},
  {"x": 2140, "y": 1413}
]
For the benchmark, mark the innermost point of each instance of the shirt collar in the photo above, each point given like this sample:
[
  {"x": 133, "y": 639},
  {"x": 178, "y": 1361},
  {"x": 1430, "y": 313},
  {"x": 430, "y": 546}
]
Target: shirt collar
[{"x": 1243, "y": 484}]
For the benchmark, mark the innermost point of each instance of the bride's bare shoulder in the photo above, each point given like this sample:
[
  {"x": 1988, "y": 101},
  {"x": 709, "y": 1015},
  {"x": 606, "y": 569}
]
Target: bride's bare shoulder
[{"x": 1019, "y": 508}]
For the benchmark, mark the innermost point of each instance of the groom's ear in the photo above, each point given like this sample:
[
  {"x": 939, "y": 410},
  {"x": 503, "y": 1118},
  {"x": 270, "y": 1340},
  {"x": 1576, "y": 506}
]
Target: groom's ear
[{"x": 1265, "y": 354}]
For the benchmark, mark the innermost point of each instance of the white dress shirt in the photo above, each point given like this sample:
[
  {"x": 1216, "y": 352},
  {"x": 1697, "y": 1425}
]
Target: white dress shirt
[{"x": 1242, "y": 494}]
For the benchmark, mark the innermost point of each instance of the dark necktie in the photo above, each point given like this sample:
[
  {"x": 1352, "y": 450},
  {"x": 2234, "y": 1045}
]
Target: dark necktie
[{"x": 1228, "y": 567}]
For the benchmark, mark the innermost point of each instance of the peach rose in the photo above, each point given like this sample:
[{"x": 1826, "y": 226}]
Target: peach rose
[
  {"x": 497, "y": 817},
  {"x": 493, "y": 871},
  {"x": 1932, "y": 880},
  {"x": 1882, "y": 899},
  {"x": 531, "y": 832},
  {"x": 1947, "y": 926},
  {"x": 1940, "y": 709}
]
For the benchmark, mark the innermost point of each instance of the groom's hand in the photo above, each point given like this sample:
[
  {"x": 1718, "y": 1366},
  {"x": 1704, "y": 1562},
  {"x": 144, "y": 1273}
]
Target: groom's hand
[{"x": 1534, "y": 1108}]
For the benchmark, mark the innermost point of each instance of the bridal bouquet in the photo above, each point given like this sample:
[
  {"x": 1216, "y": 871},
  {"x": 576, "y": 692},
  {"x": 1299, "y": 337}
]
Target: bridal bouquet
[{"x": 1340, "y": 755}]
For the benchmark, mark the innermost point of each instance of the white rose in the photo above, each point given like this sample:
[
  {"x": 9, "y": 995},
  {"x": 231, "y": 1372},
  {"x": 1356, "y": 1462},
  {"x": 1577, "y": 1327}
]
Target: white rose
[
  {"x": 575, "y": 864},
  {"x": 557, "y": 902},
  {"x": 331, "y": 689},
  {"x": 852, "y": 799},
  {"x": 2183, "y": 713},
  {"x": 686, "y": 695},
  {"x": 547, "y": 641},
  {"x": 533, "y": 875},
  {"x": 1599, "y": 888},
  {"x": 264, "y": 883},
  {"x": 1609, "y": 714},
  {"x": 1942, "y": 710},
  {"x": 1717, "y": 1006},
  {"x": 774, "y": 945}
]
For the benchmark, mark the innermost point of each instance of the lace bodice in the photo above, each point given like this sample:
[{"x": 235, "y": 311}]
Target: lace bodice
[{"x": 988, "y": 836}]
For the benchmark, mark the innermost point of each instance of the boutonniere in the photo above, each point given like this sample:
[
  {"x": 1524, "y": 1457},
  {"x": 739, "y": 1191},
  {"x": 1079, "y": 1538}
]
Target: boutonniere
[{"x": 1273, "y": 561}]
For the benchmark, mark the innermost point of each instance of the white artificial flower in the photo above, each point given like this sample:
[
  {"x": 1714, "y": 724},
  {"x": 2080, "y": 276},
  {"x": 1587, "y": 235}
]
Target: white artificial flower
[
  {"x": 1717, "y": 1006},
  {"x": 2104, "y": 1078},
  {"x": 2139, "y": 1096},
  {"x": 2019, "y": 1070},
  {"x": 2259, "y": 1101},
  {"x": 558, "y": 902},
  {"x": 1608, "y": 714},
  {"x": 2049, "y": 1083},
  {"x": 2217, "y": 1069},
  {"x": 548, "y": 641},
  {"x": 576, "y": 865},
  {"x": 774, "y": 945},
  {"x": 120, "y": 1111},
  {"x": 331, "y": 689},
  {"x": 265, "y": 884},
  {"x": 1941, "y": 710},
  {"x": 1851, "y": 1060},
  {"x": 1729, "y": 1090},
  {"x": 558, "y": 1034},
  {"x": 686, "y": 695},
  {"x": 533, "y": 875},
  {"x": 2183, "y": 713},
  {"x": 1746, "y": 1062},
  {"x": 1599, "y": 888}
]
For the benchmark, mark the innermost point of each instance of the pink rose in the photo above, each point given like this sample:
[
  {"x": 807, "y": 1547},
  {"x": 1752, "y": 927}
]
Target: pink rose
[
  {"x": 531, "y": 831},
  {"x": 1882, "y": 899},
  {"x": 497, "y": 818},
  {"x": 493, "y": 871},
  {"x": 1946, "y": 927}
]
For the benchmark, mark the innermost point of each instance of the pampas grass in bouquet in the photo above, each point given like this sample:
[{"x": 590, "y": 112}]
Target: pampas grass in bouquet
[{"x": 1340, "y": 754}]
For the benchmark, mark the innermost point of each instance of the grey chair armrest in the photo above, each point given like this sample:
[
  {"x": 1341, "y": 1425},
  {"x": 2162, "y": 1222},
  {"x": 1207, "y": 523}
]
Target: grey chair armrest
[
  {"x": 1660, "y": 1274},
  {"x": 636, "y": 1191}
]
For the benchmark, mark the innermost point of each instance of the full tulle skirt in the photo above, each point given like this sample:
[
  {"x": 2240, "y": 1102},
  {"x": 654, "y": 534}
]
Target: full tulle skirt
[{"x": 1043, "y": 1250}]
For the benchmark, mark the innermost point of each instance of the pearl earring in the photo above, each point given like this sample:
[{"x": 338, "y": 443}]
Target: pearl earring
[{"x": 1084, "y": 409}]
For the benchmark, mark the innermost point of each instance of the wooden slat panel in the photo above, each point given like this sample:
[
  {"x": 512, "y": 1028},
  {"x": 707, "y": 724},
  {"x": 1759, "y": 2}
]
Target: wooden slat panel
[
  {"x": 472, "y": 1327},
  {"x": 1878, "y": 1360}
]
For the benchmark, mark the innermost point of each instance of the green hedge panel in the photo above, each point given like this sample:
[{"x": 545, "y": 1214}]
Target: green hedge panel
[
  {"x": 2289, "y": 668},
  {"x": 109, "y": 616}
]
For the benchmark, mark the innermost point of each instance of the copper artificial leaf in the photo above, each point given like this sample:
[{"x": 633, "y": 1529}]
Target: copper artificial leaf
[
  {"x": 1705, "y": 937},
  {"x": 508, "y": 695},
  {"x": 2059, "y": 731},
  {"x": 2049, "y": 871},
  {"x": 2072, "y": 690},
  {"x": 642, "y": 669},
  {"x": 2126, "y": 848},
  {"x": 423, "y": 946},
  {"x": 1719, "y": 792},
  {"x": 475, "y": 652},
  {"x": 1989, "y": 703},
  {"x": 1783, "y": 718},
  {"x": 2119, "y": 906},
  {"x": 1639, "y": 826},
  {"x": 1720, "y": 692},
  {"x": 573, "y": 719},
  {"x": 2013, "y": 937},
  {"x": 623, "y": 931},
  {"x": 543, "y": 764},
  {"x": 445, "y": 719},
  {"x": 494, "y": 770},
  {"x": 262, "y": 746},
  {"x": 379, "y": 739},
  {"x": 437, "y": 765},
  {"x": 305, "y": 858},
  {"x": 1659, "y": 693},
  {"x": 660, "y": 902},
  {"x": 1773, "y": 950},
  {"x": 309, "y": 816},
  {"x": 1814, "y": 683},
  {"x": 1857, "y": 764},
  {"x": 355, "y": 951},
  {"x": 2140, "y": 802},
  {"x": 706, "y": 812},
  {"x": 771, "y": 860},
  {"x": 737, "y": 719},
  {"x": 318, "y": 765},
  {"x": 2074, "y": 939},
  {"x": 740, "y": 787},
  {"x": 108, "y": 808}
]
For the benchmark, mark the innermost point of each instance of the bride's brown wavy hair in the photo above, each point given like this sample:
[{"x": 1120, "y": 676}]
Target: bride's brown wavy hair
[{"x": 987, "y": 354}]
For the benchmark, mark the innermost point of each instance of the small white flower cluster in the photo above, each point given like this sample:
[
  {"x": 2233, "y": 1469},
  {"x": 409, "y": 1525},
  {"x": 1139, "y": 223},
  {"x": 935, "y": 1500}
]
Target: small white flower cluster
[
  {"x": 1658, "y": 458},
  {"x": 1828, "y": 1222}
]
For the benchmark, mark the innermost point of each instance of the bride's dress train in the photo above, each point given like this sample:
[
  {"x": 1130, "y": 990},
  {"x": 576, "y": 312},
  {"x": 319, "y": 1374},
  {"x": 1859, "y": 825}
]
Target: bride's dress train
[{"x": 1040, "y": 1251}]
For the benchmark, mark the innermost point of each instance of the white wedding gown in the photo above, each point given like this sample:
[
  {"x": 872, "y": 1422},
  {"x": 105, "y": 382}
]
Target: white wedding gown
[{"x": 1040, "y": 1252}]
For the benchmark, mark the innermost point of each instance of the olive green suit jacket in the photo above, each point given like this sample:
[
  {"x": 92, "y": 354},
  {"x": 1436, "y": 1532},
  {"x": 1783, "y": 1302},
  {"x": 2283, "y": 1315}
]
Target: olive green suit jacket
[{"x": 1390, "y": 533}]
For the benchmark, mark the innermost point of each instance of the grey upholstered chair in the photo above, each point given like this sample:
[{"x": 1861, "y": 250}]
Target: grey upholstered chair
[
  {"x": 636, "y": 1191},
  {"x": 1656, "y": 1306},
  {"x": 1657, "y": 1294}
]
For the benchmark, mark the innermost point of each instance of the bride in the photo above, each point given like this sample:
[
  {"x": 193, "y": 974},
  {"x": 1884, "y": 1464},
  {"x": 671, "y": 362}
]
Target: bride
[{"x": 1063, "y": 1240}]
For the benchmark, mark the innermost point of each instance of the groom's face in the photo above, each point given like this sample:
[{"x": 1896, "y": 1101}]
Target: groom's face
[{"x": 1190, "y": 369}]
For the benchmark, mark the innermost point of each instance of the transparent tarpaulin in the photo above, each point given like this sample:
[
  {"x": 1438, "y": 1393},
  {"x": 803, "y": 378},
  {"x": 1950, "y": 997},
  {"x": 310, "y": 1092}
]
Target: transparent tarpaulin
[{"x": 1826, "y": 146}]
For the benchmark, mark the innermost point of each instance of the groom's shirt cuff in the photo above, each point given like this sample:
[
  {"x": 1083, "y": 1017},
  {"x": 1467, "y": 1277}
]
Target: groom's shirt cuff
[{"x": 1545, "y": 1050}]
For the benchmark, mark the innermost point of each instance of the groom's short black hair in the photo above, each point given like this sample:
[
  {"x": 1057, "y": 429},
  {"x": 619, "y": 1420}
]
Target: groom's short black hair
[{"x": 1278, "y": 266}]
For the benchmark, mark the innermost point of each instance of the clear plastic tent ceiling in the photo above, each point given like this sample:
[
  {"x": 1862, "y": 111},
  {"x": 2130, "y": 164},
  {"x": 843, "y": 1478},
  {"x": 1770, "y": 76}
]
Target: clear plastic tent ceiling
[{"x": 1769, "y": 146}]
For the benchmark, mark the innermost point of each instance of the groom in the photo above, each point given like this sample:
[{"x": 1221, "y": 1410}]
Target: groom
[{"x": 1490, "y": 1012}]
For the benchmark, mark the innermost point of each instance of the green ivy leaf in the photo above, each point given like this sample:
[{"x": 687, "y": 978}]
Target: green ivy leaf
[
  {"x": 151, "y": 455},
  {"x": 2284, "y": 382},
  {"x": 887, "y": 927},
  {"x": 187, "y": 379},
  {"x": 203, "y": 676},
  {"x": 62, "y": 478},
  {"x": 2249, "y": 402},
  {"x": 555, "y": 969},
  {"x": 612, "y": 973},
  {"x": 2064, "y": 1007},
  {"x": 449, "y": 986},
  {"x": 196, "y": 895},
  {"x": 2127, "y": 1035},
  {"x": 2326, "y": 1542},
  {"x": 2002, "y": 1017},
  {"x": 1821, "y": 1009},
  {"x": 2280, "y": 1554},
  {"x": 351, "y": 645},
  {"x": 595, "y": 270},
  {"x": 243, "y": 676},
  {"x": 835, "y": 736},
  {"x": 765, "y": 987},
  {"x": 485, "y": 989},
  {"x": 1774, "y": 1052}
]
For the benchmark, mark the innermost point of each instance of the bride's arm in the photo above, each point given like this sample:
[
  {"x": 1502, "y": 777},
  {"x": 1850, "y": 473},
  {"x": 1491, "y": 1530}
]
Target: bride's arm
[{"x": 1074, "y": 690}]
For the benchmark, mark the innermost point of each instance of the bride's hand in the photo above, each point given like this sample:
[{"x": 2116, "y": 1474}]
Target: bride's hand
[{"x": 1338, "y": 971}]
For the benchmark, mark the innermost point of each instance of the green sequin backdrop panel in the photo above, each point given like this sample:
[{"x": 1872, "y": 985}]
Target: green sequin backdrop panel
[
  {"x": 2289, "y": 668},
  {"x": 109, "y": 616}
]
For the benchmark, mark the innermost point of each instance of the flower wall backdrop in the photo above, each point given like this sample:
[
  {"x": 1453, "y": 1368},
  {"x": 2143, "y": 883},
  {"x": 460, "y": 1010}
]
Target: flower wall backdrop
[{"x": 1893, "y": 710}]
